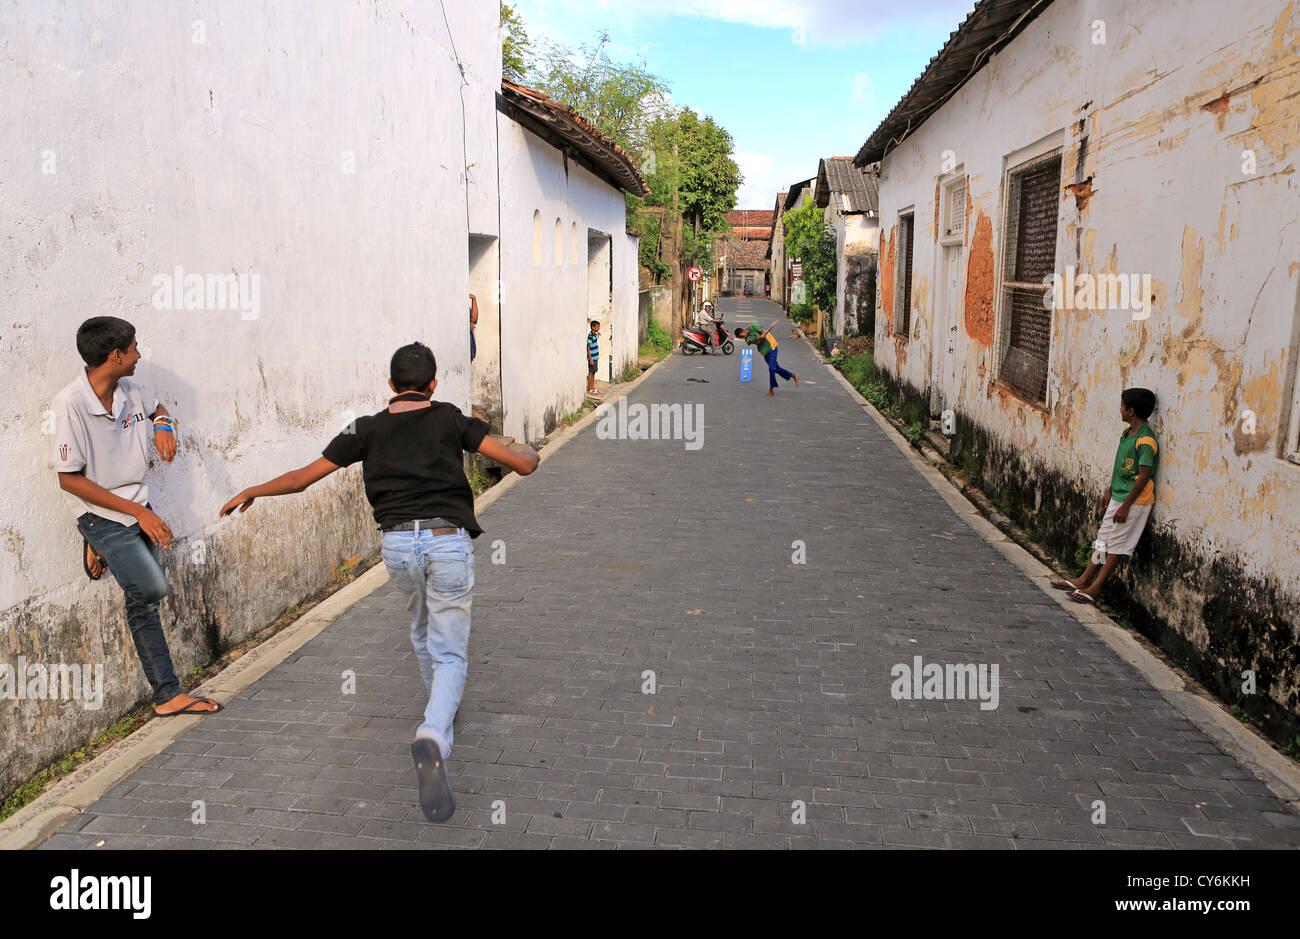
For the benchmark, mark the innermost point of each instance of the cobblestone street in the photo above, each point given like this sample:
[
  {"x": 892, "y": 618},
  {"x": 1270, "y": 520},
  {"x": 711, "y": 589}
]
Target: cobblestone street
[{"x": 772, "y": 724}]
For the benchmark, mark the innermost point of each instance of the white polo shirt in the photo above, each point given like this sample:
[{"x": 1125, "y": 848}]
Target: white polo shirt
[{"x": 112, "y": 449}]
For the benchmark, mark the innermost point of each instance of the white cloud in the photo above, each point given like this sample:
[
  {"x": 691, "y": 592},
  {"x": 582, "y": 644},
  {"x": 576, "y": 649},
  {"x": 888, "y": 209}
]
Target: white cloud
[
  {"x": 813, "y": 22},
  {"x": 762, "y": 180},
  {"x": 861, "y": 85}
]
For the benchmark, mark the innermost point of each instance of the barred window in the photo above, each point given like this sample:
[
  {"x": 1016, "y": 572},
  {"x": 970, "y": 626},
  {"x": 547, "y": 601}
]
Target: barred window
[
  {"x": 955, "y": 216},
  {"x": 903, "y": 292},
  {"x": 1028, "y": 260}
]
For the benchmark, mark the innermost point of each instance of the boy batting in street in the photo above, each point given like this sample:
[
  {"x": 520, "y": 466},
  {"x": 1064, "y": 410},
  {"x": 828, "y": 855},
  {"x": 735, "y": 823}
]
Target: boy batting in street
[
  {"x": 103, "y": 425},
  {"x": 1127, "y": 503},
  {"x": 411, "y": 456},
  {"x": 766, "y": 343}
]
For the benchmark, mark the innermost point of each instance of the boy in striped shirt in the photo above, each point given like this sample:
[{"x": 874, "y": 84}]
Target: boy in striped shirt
[{"x": 593, "y": 355}]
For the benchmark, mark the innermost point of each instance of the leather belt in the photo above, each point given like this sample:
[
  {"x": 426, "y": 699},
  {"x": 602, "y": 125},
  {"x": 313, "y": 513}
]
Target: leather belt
[{"x": 434, "y": 526}]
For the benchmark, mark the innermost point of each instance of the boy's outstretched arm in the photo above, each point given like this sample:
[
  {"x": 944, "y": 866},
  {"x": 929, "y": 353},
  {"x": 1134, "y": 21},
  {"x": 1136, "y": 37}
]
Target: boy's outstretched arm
[
  {"x": 522, "y": 461},
  {"x": 293, "y": 481}
]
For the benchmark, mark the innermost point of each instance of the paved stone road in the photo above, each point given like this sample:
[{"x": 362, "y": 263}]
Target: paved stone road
[{"x": 773, "y": 679}]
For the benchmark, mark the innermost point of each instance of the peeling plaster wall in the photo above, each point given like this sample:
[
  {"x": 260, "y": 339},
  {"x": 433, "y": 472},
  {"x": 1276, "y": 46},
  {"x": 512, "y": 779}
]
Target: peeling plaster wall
[
  {"x": 777, "y": 263},
  {"x": 222, "y": 156},
  {"x": 1160, "y": 190},
  {"x": 855, "y": 236},
  {"x": 544, "y": 308}
]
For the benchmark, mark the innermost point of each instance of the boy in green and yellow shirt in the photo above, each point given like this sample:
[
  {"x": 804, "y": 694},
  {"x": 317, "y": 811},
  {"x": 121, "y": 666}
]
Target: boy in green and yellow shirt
[
  {"x": 766, "y": 342},
  {"x": 1128, "y": 501}
]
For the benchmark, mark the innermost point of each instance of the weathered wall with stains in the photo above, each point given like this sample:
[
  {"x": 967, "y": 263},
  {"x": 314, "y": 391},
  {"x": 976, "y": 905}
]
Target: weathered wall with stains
[
  {"x": 857, "y": 239},
  {"x": 1162, "y": 187},
  {"x": 545, "y": 281},
  {"x": 305, "y": 143},
  {"x": 777, "y": 264}
]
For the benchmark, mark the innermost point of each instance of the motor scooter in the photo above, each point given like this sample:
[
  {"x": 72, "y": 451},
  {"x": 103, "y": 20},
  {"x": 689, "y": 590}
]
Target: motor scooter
[{"x": 694, "y": 339}]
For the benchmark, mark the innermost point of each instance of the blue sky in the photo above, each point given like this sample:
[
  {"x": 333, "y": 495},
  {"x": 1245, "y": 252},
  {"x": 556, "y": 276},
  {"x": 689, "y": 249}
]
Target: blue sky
[{"x": 792, "y": 80}]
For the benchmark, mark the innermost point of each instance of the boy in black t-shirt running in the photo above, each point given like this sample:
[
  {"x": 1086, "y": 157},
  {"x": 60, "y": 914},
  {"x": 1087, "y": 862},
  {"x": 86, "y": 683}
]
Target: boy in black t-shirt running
[{"x": 411, "y": 456}]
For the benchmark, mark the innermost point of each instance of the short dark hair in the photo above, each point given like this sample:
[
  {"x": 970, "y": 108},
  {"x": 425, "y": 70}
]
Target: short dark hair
[
  {"x": 1142, "y": 401},
  {"x": 595, "y": 322},
  {"x": 413, "y": 367},
  {"x": 100, "y": 336}
]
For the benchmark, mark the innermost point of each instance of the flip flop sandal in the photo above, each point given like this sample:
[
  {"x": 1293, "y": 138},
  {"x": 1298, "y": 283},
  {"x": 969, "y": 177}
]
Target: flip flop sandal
[
  {"x": 1063, "y": 585},
  {"x": 1080, "y": 597},
  {"x": 87, "y": 552},
  {"x": 189, "y": 708},
  {"x": 436, "y": 801}
]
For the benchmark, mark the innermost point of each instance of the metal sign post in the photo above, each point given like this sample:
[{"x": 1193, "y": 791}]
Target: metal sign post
[{"x": 694, "y": 275}]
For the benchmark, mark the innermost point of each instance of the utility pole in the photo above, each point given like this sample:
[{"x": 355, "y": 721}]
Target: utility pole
[
  {"x": 677, "y": 247},
  {"x": 696, "y": 289}
]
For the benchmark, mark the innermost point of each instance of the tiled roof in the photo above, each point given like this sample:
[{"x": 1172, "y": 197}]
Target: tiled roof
[
  {"x": 744, "y": 255},
  {"x": 777, "y": 212},
  {"x": 839, "y": 175},
  {"x": 750, "y": 218},
  {"x": 565, "y": 128},
  {"x": 986, "y": 29}
]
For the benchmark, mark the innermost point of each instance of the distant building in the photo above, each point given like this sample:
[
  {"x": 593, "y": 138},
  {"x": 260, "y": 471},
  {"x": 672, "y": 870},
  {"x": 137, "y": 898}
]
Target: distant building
[
  {"x": 741, "y": 256},
  {"x": 778, "y": 263},
  {"x": 848, "y": 194}
]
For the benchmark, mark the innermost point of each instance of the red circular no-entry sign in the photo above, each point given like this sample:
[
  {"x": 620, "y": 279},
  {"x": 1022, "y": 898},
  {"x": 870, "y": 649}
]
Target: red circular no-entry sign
[{"x": 694, "y": 274}]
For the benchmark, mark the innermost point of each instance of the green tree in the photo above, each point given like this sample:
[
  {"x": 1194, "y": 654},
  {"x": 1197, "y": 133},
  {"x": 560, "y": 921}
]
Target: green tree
[
  {"x": 515, "y": 45},
  {"x": 620, "y": 100},
  {"x": 685, "y": 160},
  {"x": 809, "y": 239},
  {"x": 690, "y": 157}
]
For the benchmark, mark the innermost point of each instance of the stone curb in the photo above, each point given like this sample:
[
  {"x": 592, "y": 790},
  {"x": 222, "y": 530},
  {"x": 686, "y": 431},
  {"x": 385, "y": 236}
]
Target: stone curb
[
  {"x": 1236, "y": 739},
  {"x": 35, "y": 822}
]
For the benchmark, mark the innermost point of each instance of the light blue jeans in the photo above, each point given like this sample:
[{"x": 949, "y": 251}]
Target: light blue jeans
[{"x": 437, "y": 573}]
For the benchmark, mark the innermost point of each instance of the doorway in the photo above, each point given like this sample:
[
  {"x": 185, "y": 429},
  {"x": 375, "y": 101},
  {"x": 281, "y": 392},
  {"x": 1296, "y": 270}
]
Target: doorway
[
  {"x": 950, "y": 298},
  {"x": 485, "y": 367},
  {"x": 600, "y": 298}
]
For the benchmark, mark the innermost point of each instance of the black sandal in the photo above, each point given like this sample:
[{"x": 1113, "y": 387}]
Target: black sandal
[
  {"x": 189, "y": 708},
  {"x": 87, "y": 552}
]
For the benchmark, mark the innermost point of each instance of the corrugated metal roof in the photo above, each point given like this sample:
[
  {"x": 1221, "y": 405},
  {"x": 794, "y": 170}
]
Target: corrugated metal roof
[
  {"x": 986, "y": 29},
  {"x": 859, "y": 186},
  {"x": 793, "y": 196},
  {"x": 560, "y": 125}
]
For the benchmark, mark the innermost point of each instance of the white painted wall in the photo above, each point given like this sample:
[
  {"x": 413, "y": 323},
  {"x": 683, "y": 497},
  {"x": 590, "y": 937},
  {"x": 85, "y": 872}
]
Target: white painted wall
[
  {"x": 222, "y": 156},
  {"x": 544, "y": 308},
  {"x": 779, "y": 289},
  {"x": 1170, "y": 199},
  {"x": 485, "y": 284}
]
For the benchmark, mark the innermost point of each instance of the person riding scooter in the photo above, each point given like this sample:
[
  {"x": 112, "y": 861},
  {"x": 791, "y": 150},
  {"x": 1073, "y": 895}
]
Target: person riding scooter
[{"x": 707, "y": 323}]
